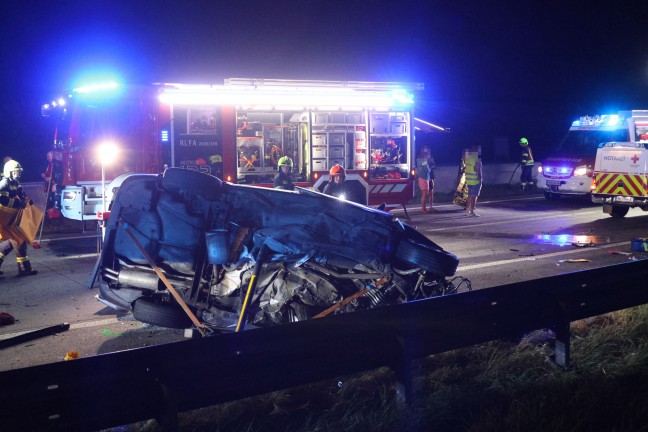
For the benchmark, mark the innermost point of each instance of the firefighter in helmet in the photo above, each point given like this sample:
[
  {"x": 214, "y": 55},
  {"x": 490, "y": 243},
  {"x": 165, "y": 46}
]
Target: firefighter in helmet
[
  {"x": 526, "y": 163},
  {"x": 12, "y": 195},
  {"x": 336, "y": 187},
  {"x": 283, "y": 179}
]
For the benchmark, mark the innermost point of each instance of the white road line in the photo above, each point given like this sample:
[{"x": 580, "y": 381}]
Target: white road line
[
  {"x": 499, "y": 222},
  {"x": 97, "y": 323},
  {"x": 536, "y": 257}
]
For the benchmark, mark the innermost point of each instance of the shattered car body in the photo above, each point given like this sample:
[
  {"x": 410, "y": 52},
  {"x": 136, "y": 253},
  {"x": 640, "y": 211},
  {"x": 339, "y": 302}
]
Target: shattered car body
[{"x": 294, "y": 254}]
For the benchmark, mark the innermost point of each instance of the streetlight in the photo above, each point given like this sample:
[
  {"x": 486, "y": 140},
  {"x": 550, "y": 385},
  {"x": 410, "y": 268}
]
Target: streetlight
[{"x": 107, "y": 154}]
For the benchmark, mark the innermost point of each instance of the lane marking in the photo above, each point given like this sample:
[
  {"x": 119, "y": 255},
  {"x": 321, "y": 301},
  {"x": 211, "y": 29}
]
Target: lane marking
[
  {"x": 499, "y": 222},
  {"x": 97, "y": 323},
  {"x": 535, "y": 257}
]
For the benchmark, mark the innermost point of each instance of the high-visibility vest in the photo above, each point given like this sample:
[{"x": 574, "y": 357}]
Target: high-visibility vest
[
  {"x": 527, "y": 156},
  {"x": 471, "y": 175}
]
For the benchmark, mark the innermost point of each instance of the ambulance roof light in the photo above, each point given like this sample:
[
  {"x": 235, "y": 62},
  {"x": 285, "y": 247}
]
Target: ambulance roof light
[
  {"x": 93, "y": 88},
  {"x": 598, "y": 120},
  {"x": 612, "y": 119}
]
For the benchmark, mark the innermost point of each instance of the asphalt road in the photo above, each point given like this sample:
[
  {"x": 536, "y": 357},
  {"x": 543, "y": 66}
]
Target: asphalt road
[{"x": 514, "y": 240}]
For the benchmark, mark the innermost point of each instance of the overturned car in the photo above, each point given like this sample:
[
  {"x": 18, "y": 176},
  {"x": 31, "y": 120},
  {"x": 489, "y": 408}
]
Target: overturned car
[{"x": 185, "y": 243}]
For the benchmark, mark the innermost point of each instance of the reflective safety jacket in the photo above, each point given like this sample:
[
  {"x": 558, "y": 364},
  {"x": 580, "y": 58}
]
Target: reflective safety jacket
[
  {"x": 527, "y": 156},
  {"x": 473, "y": 171},
  {"x": 12, "y": 194}
]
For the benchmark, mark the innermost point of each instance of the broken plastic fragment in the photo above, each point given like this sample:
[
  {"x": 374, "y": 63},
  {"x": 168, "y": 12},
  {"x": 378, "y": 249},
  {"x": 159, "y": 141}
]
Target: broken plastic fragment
[
  {"x": 583, "y": 244},
  {"x": 71, "y": 355},
  {"x": 109, "y": 333},
  {"x": 578, "y": 260}
]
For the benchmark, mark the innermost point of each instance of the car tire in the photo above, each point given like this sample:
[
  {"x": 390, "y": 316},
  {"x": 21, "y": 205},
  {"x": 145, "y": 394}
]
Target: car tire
[
  {"x": 160, "y": 314},
  {"x": 426, "y": 257},
  {"x": 619, "y": 212}
]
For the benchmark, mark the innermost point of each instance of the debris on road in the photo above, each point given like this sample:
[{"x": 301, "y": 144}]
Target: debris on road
[
  {"x": 639, "y": 244},
  {"x": 575, "y": 260},
  {"x": 26, "y": 337},
  {"x": 616, "y": 252},
  {"x": 109, "y": 333},
  {"x": 6, "y": 319},
  {"x": 71, "y": 355},
  {"x": 583, "y": 244}
]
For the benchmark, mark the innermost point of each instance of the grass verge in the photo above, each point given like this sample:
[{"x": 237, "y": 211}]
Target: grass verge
[{"x": 498, "y": 386}]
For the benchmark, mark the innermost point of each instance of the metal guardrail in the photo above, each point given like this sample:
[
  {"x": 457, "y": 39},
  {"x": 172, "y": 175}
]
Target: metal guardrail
[{"x": 160, "y": 381}]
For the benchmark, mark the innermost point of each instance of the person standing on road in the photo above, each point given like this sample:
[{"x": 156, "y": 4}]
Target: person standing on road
[
  {"x": 526, "y": 164},
  {"x": 472, "y": 158},
  {"x": 425, "y": 180},
  {"x": 283, "y": 180},
  {"x": 12, "y": 195}
]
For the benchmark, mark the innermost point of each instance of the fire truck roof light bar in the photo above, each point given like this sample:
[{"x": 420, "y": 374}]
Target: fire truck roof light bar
[
  {"x": 355, "y": 85},
  {"x": 278, "y": 97}
]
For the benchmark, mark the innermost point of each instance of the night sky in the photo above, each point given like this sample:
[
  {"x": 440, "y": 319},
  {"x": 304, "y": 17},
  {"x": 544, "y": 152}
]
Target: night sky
[{"x": 490, "y": 68}]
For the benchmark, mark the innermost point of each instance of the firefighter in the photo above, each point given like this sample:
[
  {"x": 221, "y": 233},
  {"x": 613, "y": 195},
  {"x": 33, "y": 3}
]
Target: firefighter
[
  {"x": 12, "y": 195},
  {"x": 283, "y": 180},
  {"x": 335, "y": 187},
  {"x": 526, "y": 163}
]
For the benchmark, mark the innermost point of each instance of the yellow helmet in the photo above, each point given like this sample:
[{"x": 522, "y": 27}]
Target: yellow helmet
[
  {"x": 10, "y": 166},
  {"x": 524, "y": 142},
  {"x": 285, "y": 161}
]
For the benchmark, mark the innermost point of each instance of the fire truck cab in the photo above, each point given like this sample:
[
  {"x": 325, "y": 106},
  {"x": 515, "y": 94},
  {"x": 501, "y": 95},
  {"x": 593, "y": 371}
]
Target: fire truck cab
[
  {"x": 621, "y": 176},
  {"x": 236, "y": 131},
  {"x": 570, "y": 170}
]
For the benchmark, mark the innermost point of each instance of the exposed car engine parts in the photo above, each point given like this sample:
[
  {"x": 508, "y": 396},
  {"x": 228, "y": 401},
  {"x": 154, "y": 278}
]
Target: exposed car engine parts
[{"x": 242, "y": 257}]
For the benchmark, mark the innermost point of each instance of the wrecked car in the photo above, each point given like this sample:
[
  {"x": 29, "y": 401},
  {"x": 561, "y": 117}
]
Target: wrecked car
[{"x": 249, "y": 256}]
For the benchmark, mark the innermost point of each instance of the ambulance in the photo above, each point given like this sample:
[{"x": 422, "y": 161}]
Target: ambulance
[
  {"x": 570, "y": 170},
  {"x": 621, "y": 176}
]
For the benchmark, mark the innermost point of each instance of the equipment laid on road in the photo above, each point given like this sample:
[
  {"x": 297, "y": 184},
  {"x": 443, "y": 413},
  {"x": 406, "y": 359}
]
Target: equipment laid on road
[
  {"x": 569, "y": 171},
  {"x": 621, "y": 177}
]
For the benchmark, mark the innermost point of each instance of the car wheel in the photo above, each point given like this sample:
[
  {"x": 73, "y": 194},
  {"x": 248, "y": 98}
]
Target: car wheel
[
  {"x": 428, "y": 258},
  {"x": 619, "y": 212},
  {"x": 160, "y": 314}
]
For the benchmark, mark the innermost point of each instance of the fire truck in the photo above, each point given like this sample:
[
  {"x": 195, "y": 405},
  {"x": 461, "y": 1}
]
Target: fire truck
[
  {"x": 621, "y": 175},
  {"x": 570, "y": 170},
  {"x": 236, "y": 131}
]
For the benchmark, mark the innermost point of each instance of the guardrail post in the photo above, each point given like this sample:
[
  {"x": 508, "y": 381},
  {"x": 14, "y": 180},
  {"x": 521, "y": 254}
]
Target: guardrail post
[
  {"x": 561, "y": 345},
  {"x": 167, "y": 416},
  {"x": 402, "y": 367}
]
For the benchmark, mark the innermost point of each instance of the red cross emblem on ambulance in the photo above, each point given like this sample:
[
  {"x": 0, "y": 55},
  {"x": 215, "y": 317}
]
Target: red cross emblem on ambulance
[{"x": 634, "y": 159}]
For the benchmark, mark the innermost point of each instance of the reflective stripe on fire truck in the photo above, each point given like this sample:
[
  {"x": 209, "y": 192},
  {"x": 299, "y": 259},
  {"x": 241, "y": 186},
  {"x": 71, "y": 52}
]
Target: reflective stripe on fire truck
[
  {"x": 387, "y": 188},
  {"x": 621, "y": 184}
]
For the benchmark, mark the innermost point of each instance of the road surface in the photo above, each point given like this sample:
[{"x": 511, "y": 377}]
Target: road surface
[{"x": 514, "y": 240}]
